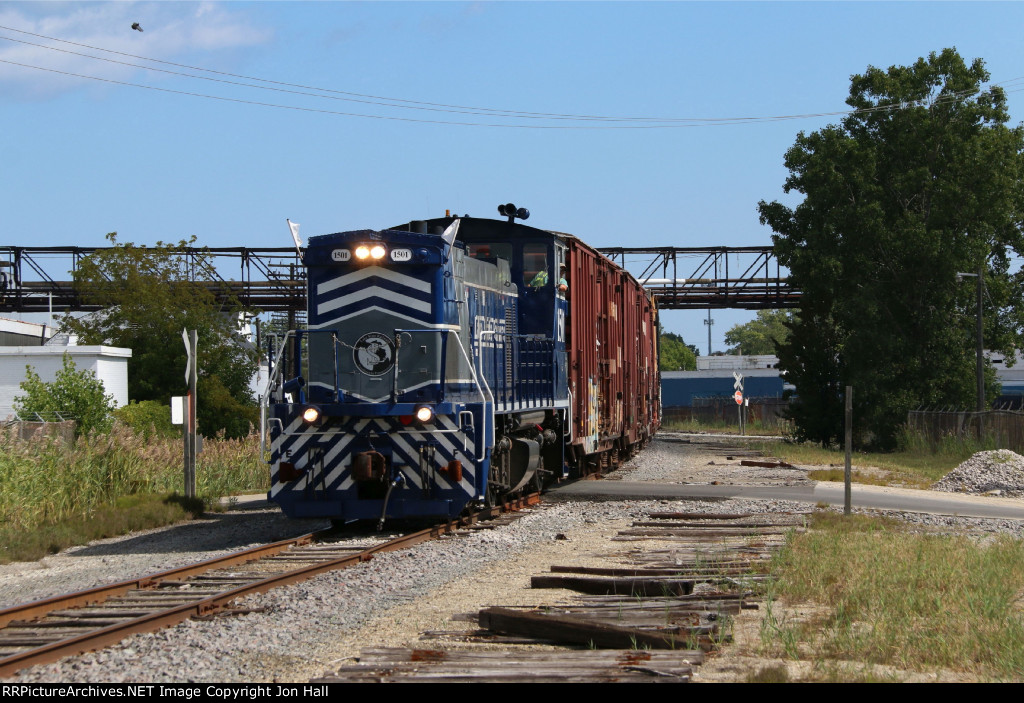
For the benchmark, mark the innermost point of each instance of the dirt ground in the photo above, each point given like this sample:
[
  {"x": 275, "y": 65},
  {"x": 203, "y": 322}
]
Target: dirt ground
[{"x": 451, "y": 608}]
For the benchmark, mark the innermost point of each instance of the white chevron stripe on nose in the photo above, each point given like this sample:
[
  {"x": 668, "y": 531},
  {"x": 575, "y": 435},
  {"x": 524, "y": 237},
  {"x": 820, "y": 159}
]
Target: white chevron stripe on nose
[
  {"x": 374, "y": 292},
  {"x": 370, "y": 272}
]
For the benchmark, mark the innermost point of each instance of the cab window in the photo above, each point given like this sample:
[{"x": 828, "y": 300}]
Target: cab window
[
  {"x": 490, "y": 250},
  {"x": 536, "y": 272}
]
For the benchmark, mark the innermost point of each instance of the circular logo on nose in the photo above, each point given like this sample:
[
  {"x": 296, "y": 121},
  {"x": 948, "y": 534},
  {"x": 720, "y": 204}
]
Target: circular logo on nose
[{"x": 374, "y": 354}]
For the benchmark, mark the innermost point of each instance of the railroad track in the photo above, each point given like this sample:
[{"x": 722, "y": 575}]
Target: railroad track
[
  {"x": 47, "y": 630},
  {"x": 652, "y": 613}
]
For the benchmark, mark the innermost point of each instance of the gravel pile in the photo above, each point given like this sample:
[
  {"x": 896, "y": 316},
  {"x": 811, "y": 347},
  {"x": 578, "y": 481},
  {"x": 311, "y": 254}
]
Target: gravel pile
[{"x": 999, "y": 472}]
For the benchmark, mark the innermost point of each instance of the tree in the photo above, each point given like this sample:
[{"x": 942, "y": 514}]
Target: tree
[
  {"x": 763, "y": 334},
  {"x": 73, "y": 394},
  {"x": 149, "y": 295},
  {"x": 920, "y": 182},
  {"x": 674, "y": 354}
]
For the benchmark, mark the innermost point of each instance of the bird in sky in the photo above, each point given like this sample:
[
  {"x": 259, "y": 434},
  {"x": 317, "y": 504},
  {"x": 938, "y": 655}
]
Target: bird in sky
[{"x": 137, "y": 26}]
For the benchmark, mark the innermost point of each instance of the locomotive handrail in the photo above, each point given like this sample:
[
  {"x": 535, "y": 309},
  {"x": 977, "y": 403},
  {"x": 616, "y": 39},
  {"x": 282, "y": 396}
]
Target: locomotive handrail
[
  {"x": 443, "y": 370},
  {"x": 525, "y": 393},
  {"x": 334, "y": 349},
  {"x": 479, "y": 382},
  {"x": 274, "y": 373}
]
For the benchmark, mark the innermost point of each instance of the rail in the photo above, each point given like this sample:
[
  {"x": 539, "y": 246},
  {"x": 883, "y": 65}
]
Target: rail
[{"x": 200, "y": 598}]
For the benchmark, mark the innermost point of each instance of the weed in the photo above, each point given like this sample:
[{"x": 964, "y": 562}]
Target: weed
[
  {"x": 890, "y": 597},
  {"x": 753, "y": 427},
  {"x": 773, "y": 673},
  {"x": 48, "y": 485}
]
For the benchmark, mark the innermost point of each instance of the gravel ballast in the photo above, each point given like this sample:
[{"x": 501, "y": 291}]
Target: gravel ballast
[{"x": 301, "y": 631}]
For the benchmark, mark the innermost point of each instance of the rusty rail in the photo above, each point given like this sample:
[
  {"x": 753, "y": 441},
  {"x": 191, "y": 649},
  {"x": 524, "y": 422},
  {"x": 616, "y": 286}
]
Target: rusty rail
[{"x": 105, "y": 636}]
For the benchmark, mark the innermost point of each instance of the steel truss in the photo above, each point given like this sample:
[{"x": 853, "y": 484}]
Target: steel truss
[
  {"x": 686, "y": 278},
  {"x": 39, "y": 279}
]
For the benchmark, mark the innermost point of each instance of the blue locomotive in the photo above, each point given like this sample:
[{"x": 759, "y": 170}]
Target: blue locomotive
[{"x": 432, "y": 375}]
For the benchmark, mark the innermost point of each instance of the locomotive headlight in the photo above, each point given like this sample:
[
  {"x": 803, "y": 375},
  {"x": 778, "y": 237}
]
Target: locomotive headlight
[
  {"x": 424, "y": 413},
  {"x": 377, "y": 252},
  {"x": 362, "y": 252},
  {"x": 311, "y": 414}
]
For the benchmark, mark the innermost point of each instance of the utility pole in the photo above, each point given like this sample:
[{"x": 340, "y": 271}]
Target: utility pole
[
  {"x": 847, "y": 468},
  {"x": 709, "y": 322},
  {"x": 980, "y": 352},
  {"x": 191, "y": 445},
  {"x": 981, "y": 344}
]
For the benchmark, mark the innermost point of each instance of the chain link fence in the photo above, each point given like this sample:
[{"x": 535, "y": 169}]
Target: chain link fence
[{"x": 34, "y": 426}]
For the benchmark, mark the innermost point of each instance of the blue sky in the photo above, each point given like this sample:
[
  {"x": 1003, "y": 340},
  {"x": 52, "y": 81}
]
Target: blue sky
[{"x": 80, "y": 157}]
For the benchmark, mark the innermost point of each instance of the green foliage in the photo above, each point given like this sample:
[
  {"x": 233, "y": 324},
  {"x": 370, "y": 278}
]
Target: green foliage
[
  {"x": 73, "y": 393},
  {"x": 149, "y": 297},
  {"x": 148, "y": 418},
  {"x": 674, "y": 354},
  {"x": 123, "y": 515},
  {"x": 885, "y": 596},
  {"x": 46, "y": 482},
  {"x": 763, "y": 334},
  {"x": 915, "y": 464},
  {"x": 921, "y": 182},
  {"x": 220, "y": 412}
]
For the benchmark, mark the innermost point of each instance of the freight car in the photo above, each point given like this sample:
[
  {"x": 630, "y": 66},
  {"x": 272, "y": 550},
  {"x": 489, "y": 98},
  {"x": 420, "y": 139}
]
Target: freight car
[{"x": 453, "y": 361}]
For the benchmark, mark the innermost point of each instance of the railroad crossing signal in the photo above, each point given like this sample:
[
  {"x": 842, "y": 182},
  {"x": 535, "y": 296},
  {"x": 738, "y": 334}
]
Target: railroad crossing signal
[{"x": 738, "y": 384}]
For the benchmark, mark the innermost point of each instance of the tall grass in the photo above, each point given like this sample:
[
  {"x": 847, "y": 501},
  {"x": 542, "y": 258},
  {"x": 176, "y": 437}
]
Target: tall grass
[
  {"x": 753, "y": 427},
  {"x": 913, "y": 601},
  {"x": 915, "y": 463},
  {"x": 45, "y": 481}
]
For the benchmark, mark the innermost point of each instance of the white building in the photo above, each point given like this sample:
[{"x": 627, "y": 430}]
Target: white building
[
  {"x": 737, "y": 363},
  {"x": 110, "y": 364}
]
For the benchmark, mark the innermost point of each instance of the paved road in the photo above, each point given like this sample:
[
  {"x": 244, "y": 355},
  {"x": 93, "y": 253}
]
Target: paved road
[{"x": 863, "y": 496}]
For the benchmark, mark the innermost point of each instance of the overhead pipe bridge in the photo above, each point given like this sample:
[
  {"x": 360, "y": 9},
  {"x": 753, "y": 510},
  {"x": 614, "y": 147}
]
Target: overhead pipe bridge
[{"x": 40, "y": 279}]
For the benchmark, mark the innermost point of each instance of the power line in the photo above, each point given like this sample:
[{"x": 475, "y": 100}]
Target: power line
[
  {"x": 380, "y": 101},
  {"x": 331, "y": 112},
  {"x": 499, "y": 112}
]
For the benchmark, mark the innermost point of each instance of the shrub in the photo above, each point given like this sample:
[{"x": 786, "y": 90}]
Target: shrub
[
  {"x": 74, "y": 393},
  {"x": 148, "y": 418}
]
